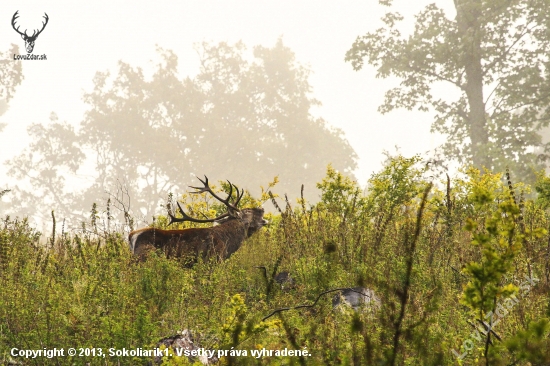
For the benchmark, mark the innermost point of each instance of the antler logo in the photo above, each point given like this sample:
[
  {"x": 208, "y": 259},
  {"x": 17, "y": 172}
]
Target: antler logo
[{"x": 29, "y": 40}]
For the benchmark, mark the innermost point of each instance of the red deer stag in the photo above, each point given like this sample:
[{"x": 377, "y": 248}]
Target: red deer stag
[{"x": 219, "y": 241}]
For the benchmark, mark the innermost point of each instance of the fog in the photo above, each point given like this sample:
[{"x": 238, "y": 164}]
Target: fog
[{"x": 83, "y": 38}]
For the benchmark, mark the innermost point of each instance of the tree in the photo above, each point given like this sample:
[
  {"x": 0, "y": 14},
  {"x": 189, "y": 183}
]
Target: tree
[
  {"x": 11, "y": 75},
  {"x": 246, "y": 119},
  {"x": 52, "y": 156},
  {"x": 495, "y": 54}
]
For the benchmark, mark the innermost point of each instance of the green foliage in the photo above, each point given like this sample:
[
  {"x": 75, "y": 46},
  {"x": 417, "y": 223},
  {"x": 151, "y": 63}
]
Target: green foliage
[
  {"x": 499, "y": 242},
  {"x": 398, "y": 183},
  {"x": 419, "y": 247},
  {"x": 542, "y": 187},
  {"x": 493, "y": 54},
  {"x": 531, "y": 344}
]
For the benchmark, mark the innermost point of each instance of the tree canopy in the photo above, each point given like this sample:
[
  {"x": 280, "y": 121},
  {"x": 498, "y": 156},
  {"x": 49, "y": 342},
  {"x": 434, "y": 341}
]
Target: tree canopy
[
  {"x": 494, "y": 53},
  {"x": 243, "y": 117},
  {"x": 11, "y": 75}
]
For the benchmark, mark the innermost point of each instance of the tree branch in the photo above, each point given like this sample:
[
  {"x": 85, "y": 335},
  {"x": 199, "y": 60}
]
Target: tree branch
[
  {"x": 505, "y": 53},
  {"x": 310, "y": 305}
]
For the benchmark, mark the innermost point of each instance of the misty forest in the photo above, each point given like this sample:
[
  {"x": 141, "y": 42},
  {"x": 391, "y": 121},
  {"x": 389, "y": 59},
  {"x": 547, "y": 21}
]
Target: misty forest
[{"x": 223, "y": 215}]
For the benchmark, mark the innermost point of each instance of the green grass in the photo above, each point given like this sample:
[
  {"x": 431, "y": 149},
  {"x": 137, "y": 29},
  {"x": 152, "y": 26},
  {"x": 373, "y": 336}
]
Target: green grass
[{"x": 413, "y": 245}]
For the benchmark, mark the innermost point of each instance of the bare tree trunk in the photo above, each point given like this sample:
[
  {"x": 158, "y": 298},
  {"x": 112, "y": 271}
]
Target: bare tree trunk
[{"x": 468, "y": 13}]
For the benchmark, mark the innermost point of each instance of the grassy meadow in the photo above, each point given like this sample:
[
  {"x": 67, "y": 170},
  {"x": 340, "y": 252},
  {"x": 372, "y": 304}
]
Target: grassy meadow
[{"x": 444, "y": 257}]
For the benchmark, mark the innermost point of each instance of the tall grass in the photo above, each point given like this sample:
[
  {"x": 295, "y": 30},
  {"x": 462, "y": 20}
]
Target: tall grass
[{"x": 418, "y": 247}]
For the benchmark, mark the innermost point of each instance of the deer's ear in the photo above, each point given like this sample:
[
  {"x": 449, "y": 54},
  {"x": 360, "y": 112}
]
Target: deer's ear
[{"x": 23, "y": 36}]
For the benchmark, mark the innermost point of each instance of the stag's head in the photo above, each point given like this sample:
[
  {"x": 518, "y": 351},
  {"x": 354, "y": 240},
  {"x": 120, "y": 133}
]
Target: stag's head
[
  {"x": 254, "y": 217},
  {"x": 29, "y": 40}
]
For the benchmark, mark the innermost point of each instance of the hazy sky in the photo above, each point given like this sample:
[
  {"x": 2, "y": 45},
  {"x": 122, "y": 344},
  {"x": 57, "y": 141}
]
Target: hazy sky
[{"x": 85, "y": 37}]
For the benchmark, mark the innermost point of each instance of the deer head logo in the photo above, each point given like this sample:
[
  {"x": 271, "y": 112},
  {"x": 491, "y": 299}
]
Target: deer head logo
[{"x": 29, "y": 40}]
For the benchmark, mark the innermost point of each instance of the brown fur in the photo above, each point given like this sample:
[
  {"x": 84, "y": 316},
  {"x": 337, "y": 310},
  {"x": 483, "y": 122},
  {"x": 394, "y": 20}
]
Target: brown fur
[{"x": 218, "y": 241}]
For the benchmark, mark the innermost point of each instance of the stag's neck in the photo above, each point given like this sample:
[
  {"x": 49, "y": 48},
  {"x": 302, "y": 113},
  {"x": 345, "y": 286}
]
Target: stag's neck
[{"x": 231, "y": 236}]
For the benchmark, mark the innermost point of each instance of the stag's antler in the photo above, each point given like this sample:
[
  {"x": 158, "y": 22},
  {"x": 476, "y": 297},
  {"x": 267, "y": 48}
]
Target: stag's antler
[
  {"x": 43, "y": 26},
  {"x": 13, "y": 19},
  {"x": 34, "y": 33},
  {"x": 206, "y": 188},
  {"x": 186, "y": 217},
  {"x": 226, "y": 202}
]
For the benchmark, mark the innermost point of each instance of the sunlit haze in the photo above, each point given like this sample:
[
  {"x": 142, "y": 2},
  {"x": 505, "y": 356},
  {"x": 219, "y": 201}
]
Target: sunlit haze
[{"x": 85, "y": 37}]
